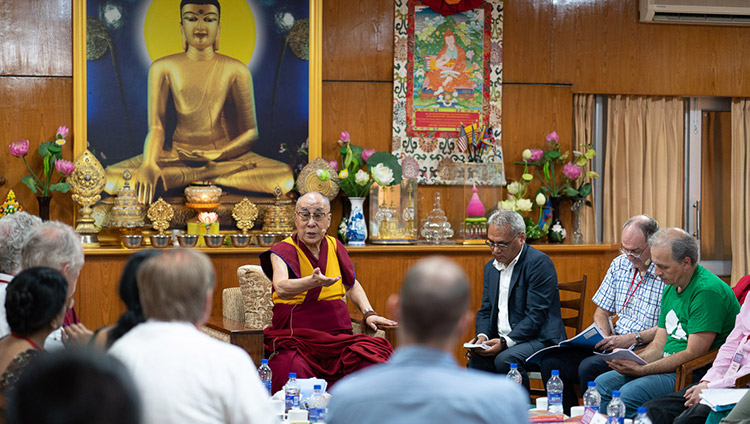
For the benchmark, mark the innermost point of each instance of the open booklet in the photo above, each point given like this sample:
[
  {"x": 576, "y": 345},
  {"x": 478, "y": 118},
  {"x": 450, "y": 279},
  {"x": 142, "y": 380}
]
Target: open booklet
[
  {"x": 586, "y": 339},
  {"x": 722, "y": 399},
  {"x": 626, "y": 354}
]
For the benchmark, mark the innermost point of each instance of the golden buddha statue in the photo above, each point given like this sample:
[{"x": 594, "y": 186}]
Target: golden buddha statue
[{"x": 216, "y": 124}]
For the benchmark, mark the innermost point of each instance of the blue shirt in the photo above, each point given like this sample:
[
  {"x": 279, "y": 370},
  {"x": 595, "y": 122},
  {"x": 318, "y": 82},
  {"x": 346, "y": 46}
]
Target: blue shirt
[
  {"x": 636, "y": 305},
  {"x": 424, "y": 385}
]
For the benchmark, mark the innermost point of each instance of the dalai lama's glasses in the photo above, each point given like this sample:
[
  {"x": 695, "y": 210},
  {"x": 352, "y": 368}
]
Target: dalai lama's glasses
[
  {"x": 498, "y": 245},
  {"x": 305, "y": 216}
]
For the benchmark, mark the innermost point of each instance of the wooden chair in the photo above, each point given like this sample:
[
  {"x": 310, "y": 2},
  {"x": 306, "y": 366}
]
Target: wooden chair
[
  {"x": 247, "y": 310},
  {"x": 685, "y": 371},
  {"x": 574, "y": 295}
]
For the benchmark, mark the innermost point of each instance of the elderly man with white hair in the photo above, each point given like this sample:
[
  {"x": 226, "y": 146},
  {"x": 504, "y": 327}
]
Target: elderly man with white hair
[
  {"x": 56, "y": 245},
  {"x": 13, "y": 231}
]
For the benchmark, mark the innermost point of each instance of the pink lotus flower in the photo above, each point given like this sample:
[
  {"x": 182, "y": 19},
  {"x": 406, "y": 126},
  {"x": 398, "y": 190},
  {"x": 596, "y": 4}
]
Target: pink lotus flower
[
  {"x": 19, "y": 148},
  {"x": 571, "y": 171},
  {"x": 536, "y": 155},
  {"x": 552, "y": 137},
  {"x": 62, "y": 131},
  {"x": 334, "y": 165},
  {"x": 366, "y": 153},
  {"x": 64, "y": 167},
  {"x": 208, "y": 217},
  {"x": 344, "y": 137}
]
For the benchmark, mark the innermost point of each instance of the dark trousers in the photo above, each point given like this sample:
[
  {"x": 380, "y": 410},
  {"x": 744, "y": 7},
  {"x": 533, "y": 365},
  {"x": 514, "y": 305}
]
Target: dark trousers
[
  {"x": 501, "y": 362},
  {"x": 575, "y": 366},
  {"x": 671, "y": 409}
]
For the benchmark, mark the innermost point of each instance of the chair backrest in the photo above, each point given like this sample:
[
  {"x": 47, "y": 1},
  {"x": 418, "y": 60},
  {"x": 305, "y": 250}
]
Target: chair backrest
[
  {"x": 575, "y": 303},
  {"x": 256, "y": 296}
]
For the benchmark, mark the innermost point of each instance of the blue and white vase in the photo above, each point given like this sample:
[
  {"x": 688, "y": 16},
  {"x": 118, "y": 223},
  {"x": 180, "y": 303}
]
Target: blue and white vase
[{"x": 356, "y": 228}]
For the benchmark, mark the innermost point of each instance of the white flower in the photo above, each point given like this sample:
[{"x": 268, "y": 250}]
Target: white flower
[
  {"x": 526, "y": 154},
  {"x": 540, "y": 199},
  {"x": 361, "y": 177},
  {"x": 382, "y": 174},
  {"x": 523, "y": 205},
  {"x": 514, "y": 188},
  {"x": 508, "y": 205}
]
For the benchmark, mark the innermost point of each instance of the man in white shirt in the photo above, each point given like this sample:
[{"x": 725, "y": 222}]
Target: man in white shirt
[
  {"x": 183, "y": 375},
  {"x": 13, "y": 230},
  {"x": 520, "y": 310}
]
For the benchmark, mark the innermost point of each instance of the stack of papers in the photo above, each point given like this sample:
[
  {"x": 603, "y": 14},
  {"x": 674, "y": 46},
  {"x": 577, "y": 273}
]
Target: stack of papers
[
  {"x": 626, "y": 354},
  {"x": 722, "y": 399}
]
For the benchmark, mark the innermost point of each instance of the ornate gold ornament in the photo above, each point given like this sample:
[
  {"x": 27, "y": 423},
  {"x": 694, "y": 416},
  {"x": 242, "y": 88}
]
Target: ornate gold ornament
[
  {"x": 160, "y": 213},
  {"x": 86, "y": 185},
  {"x": 308, "y": 180},
  {"x": 245, "y": 213}
]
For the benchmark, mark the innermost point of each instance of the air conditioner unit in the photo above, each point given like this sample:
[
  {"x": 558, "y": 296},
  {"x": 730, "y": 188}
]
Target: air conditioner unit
[{"x": 705, "y": 12}]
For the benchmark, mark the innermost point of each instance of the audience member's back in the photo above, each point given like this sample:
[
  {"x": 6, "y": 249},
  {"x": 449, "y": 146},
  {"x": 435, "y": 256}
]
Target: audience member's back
[
  {"x": 422, "y": 382},
  {"x": 74, "y": 387},
  {"x": 183, "y": 375}
]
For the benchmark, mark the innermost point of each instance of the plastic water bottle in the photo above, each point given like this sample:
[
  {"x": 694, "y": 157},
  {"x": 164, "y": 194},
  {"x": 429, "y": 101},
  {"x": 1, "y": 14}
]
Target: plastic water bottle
[
  {"x": 642, "y": 418},
  {"x": 291, "y": 392},
  {"x": 318, "y": 405},
  {"x": 514, "y": 374},
  {"x": 264, "y": 371},
  {"x": 616, "y": 409},
  {"x": 591, "y": 398},
  {"x": 554, "y": 393}
]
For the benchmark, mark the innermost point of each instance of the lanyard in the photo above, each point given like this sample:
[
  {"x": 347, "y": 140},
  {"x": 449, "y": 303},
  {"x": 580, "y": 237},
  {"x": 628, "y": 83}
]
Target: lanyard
[
  {"x": 36, "y": 346},
  {"x": 629, "y": 293}
]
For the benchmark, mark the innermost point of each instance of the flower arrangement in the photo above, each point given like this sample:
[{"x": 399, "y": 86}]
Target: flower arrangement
[
  {"x": 573, "y": 183},
  {"x": 361, "y": 167},
  {"x": 51, "y": 153},
  {"x": 207, "y": 219},
  {"x": 517, "y": 202}
]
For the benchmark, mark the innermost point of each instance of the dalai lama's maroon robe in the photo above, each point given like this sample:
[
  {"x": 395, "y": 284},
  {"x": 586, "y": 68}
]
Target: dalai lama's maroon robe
[{"x": 311, "y": 334}]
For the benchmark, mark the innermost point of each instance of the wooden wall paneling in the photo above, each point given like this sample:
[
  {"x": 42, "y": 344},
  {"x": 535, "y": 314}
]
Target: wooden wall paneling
[
  {"x": 98, "y": 300},
  {"x": 32, "y": 109},
  {"x": 527, "y": 42},
  {"x": 358, "y": 40},
  {"x": 601, "y": 47},
  {"x": 37, "y": 38}
]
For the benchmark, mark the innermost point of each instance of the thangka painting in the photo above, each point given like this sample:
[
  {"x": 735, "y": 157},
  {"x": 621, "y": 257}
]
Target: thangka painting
[{"x": 447, "y": 92}]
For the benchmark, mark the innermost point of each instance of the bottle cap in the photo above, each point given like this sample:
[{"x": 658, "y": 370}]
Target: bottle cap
[
  {"x": 264, "y": 361},
  {"x": 292, "y": 375},
  {"x": 641, "y": 410},
  {"x": 555, "y": 372},
  {"x": 592, "y": 383},
  {"x": 317, "y": 387},
  {"x": 514, "y": 366},
  {"x": 615, "y": 393}
]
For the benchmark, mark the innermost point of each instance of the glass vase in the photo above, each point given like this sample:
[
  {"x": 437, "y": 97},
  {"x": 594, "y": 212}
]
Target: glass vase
[
  {"x": 356, "y": 227},
  {"x": 577, "y": 234},
  {"x": 393, "y": 212}
]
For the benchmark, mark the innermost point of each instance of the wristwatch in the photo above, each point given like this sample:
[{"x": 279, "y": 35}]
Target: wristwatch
[
  {"x": 638, "y": 338},
  {"x": 503, "y": 342}
]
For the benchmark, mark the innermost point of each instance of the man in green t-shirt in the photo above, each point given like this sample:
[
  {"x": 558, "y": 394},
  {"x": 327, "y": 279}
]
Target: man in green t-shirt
[{"x": 697, "y": 313}]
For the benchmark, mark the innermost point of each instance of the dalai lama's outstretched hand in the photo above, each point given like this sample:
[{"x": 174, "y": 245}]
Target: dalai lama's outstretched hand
[
  {"x": 321, "y": 280},
  {"x": 375, "y": 321}
]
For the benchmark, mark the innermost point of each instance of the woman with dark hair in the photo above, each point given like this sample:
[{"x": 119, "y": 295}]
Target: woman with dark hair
[
  {"x": 105, "y": 336},
  {"x": 34, "y": 306}
]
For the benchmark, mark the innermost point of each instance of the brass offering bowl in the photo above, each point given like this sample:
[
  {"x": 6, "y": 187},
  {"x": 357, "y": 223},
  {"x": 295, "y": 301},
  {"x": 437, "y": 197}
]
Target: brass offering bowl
[
  {"x": 240, "y": 240},
  {"x": 160, "y": 240},
  {"x": 187, "y": 240},
  {"x": 132, "y": 241},
  {"x": 213, "y": 240},
  {"x": 266, "y": 240}
]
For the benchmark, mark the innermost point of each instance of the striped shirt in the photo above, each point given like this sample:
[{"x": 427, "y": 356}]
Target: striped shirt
[{"x": 635, "y": 300}]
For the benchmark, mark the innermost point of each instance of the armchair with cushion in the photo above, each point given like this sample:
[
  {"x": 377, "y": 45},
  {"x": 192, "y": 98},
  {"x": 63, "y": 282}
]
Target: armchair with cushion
[{"x": 247, "y": 310}]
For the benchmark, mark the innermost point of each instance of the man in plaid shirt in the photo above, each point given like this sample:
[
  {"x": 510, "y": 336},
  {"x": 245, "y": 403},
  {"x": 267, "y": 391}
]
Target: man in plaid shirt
[{"x": 631, "y": 294}]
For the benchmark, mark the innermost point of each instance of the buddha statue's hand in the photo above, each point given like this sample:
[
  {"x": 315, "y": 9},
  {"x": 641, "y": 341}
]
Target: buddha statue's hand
[
  {"x": 146, "y": 178},
  {"x": 199, "y": 156}
]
